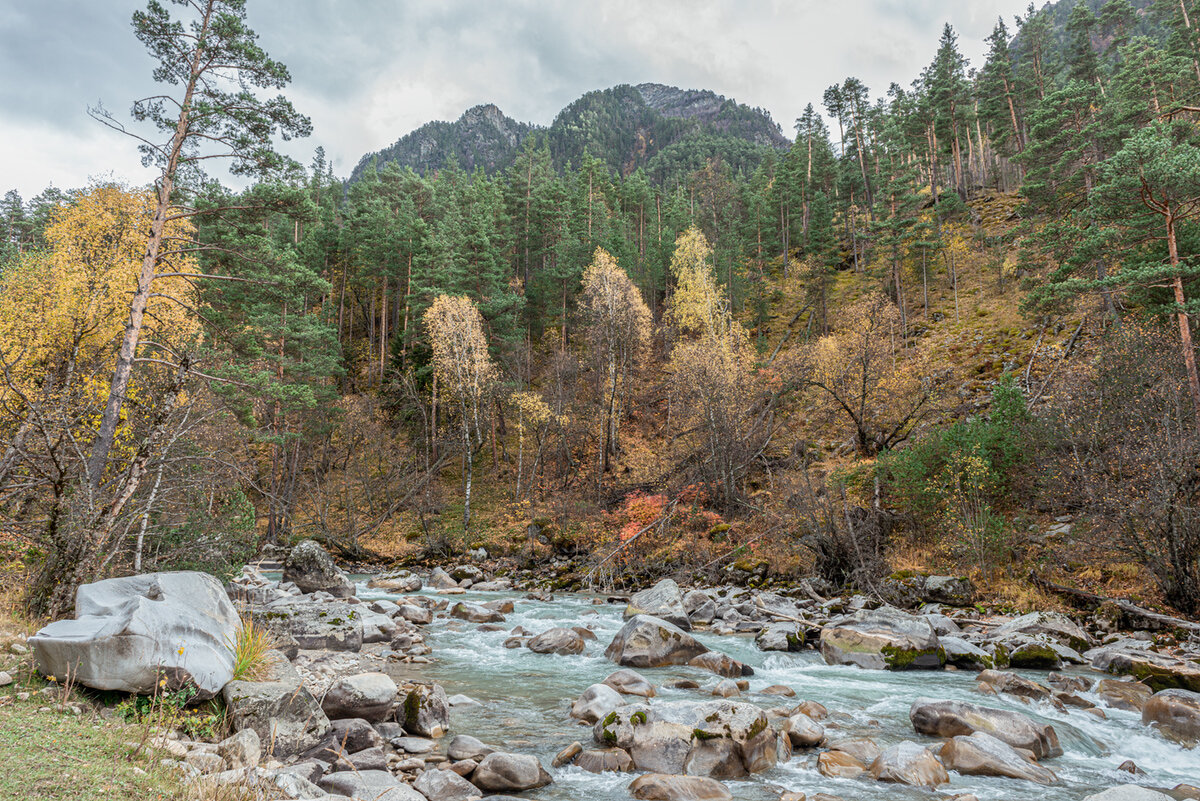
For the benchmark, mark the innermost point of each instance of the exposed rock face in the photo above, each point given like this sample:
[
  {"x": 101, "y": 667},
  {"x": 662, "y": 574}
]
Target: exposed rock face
[
  {"x": 501, "y": 772},
  {"x": 881, "y": 639},
  {"x": 129, "y": 633},
  {"x": 663, "y": 601},
  {"x": 367, "y": 695},
  {"x": 909, "y": 763},
  {"x": 426, "y": 712},
  {"x": 662, "y": 787},
  {"x": 557, "y": 641},
  {"x": 596, "y": 702},
  {"x": 319, "y": 627},
  {"x": 646, "y": 641},
  {"x": 311, "y": 569},
  {"x": 955, "y": 718},
  {"x": 982, "y": 754},
  {"x": 1176, "y": 713},
  {"x": 284, "y": 715},
  {"x": 723, "y": 739}
]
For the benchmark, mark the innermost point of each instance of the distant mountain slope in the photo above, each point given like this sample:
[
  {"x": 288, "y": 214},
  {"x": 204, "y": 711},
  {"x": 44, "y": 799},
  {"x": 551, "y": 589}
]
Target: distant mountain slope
[{"x": 625, "y": 126}]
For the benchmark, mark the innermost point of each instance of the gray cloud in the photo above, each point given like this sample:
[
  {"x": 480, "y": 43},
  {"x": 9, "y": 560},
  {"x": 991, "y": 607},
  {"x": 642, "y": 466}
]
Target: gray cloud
[{"x": 369, "y": 71}]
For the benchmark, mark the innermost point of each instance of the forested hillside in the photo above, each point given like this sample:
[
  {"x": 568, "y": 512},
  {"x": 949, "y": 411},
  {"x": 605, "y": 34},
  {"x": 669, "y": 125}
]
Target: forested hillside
[
  {"x": 950, "y": 329},
  {"x": 670, "y": 132}
]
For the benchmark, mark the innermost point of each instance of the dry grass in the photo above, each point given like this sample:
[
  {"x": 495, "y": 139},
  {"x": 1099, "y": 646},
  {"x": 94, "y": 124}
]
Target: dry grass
[{"x": 250, "y": 649}]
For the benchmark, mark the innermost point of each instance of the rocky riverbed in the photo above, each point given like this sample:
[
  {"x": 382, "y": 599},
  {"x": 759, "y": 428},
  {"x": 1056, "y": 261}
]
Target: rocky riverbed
[{"x": 452, "y": 685}]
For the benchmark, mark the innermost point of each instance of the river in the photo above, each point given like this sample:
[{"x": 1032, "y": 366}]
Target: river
[{"x": 525, "y": 698}]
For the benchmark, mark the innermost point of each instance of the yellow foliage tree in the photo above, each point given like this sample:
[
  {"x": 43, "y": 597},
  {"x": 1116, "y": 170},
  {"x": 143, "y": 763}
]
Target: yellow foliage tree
[
  {"x": 464, "y": 372},
  {"x": 866, "y": 377},
  {"x": 698, "y": 305},
  {"x": 618, "y": 330}
]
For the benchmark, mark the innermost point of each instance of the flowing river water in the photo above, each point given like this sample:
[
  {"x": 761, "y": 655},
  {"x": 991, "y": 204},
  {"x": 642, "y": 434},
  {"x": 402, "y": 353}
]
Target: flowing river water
[{"x": 525, "y": 697}]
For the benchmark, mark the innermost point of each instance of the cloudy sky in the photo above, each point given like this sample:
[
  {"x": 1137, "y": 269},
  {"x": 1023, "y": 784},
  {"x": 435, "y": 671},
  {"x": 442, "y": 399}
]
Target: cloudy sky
[{"x": 369, "y": 71}]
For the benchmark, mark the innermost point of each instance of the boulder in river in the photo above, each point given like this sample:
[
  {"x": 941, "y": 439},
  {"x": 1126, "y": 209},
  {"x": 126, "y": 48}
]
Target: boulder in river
[
  {"x": 720, "y": 738},
  {"x": 909, "y": 763},
  {"x": 401, "y": 581},
  {"x": 1118, "y": 694},
  {"x": 1156, "y": 671},
  {"x": 557, "y": 640},
  {"x": 840, "y": 765},
  {"x": 1050, "y": 625},
  {"x": 439, "y": 579},
  {"x": 464, "y": 746},
  {"x": 1129, "y": 792},
  {"x": 721, "y": 664},
  {"x": 284, "y": 715},
  {"x": 596, "y": 702},
  {"x": 604, "y": 760},
  {"x": 646, "y": 641},
  {"x": 426, "y": 712},
  {"x": 1176, "y": 713},
  {"x": 311, "y": 569},
  {"x": 780, "y": 637},
  {"x": 663, "y": 787},
  {"x": 629, "y": 682},
  {"x": 129, "y": 633},
  {"x": 663, "y": 601},
  {"x": 955, "y": 718},
  {"x": 981, "y": 754},
  {"x": 1003, "y": 681},
  {"x": 700, "y": 607},
  {"x": 504, "y": 772},
  {"x": 883, "y": 638},
  {"x": 803, "y": 731},
  {"x": 474, "y": 613},
  {"x": 365, "y": 695}
]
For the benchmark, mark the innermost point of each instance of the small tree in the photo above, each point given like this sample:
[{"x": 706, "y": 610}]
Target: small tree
[
  {"x": 866, "y": 378},
  {"x": 464, "y": 373},
  {"x": 618, "y": 331}
]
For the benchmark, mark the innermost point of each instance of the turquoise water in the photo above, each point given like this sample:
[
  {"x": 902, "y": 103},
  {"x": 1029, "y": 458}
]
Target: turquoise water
[{"x": 525, "y": 698}]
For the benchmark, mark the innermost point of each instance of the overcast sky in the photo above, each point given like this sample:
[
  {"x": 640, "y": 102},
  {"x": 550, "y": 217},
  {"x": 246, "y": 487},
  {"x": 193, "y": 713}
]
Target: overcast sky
[{"x": 369, "y": 71}]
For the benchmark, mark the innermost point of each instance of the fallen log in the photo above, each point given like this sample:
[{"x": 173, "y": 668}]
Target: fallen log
[{"x": 1132, "y": 615}]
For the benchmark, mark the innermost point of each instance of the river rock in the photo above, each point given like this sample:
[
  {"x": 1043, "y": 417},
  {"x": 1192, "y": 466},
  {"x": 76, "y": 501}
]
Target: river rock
[
  {"x": 377, "y": 627},
  {"x": 284, "y": 715},
  {"x": 368, "y": 785},
  {"x": 1003, "y": 681},
  {"x": 1050, "y": 625},
  {"x": 839, "y": 765},
  {"x": 128, "y": 633},
  {"x": 557, "y": 640},
  {"x": 629, "y": 682},
  {"x": 981, "y": 754},
  {"x": 701, "y": 609},
  {"x": 347, "y": 735},
  {"x": 474, "y": 613},
  {"x": 241, "y": 750},
  {"x": 426, "y": 712},
  {"x": 439, "y": 579},
  {"x": 663, "y": 601},
  {"x": 604, "y": 760},
  {"x": 311, "y": 569},
  {"x": 1129, "y": 792},
  {"x": 909, "y": 763},
  {"x": 721, "y": 664},
  {"x": 367, "y": 695},
  {"x": 415, "y": 614},
  {"x": 661, "y": 787},
  {"x": 464, "y": 746},
  {"x": 318, "y": 626},
  {"x": 1156, "y": 671},
  {"x": 445, "y": 785},
  {"x": 963, "y": 654},
  {"x": 401, "y": 582},
  {"x": 646, "y": 641},
  {"x": 596, "y": 702},
  {"x": 803, "y": 731},
  {"x": 1118, "y": 694},
  {"x": 683, "y": 736},
  {"x": 883, "y": 638},
  {"x": 509, "y": 773},
  {"x": 780, "y": 637},
  {"x": 954, "y": 718},
  {"x": 1176, "y": 713}
]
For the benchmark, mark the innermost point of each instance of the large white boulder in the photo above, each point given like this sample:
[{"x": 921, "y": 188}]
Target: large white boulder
[{"x": 129, "y": 633}]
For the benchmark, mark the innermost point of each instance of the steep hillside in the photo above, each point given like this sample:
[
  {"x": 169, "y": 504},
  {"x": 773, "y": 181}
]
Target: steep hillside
[{"x": 625, "y": 126}]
